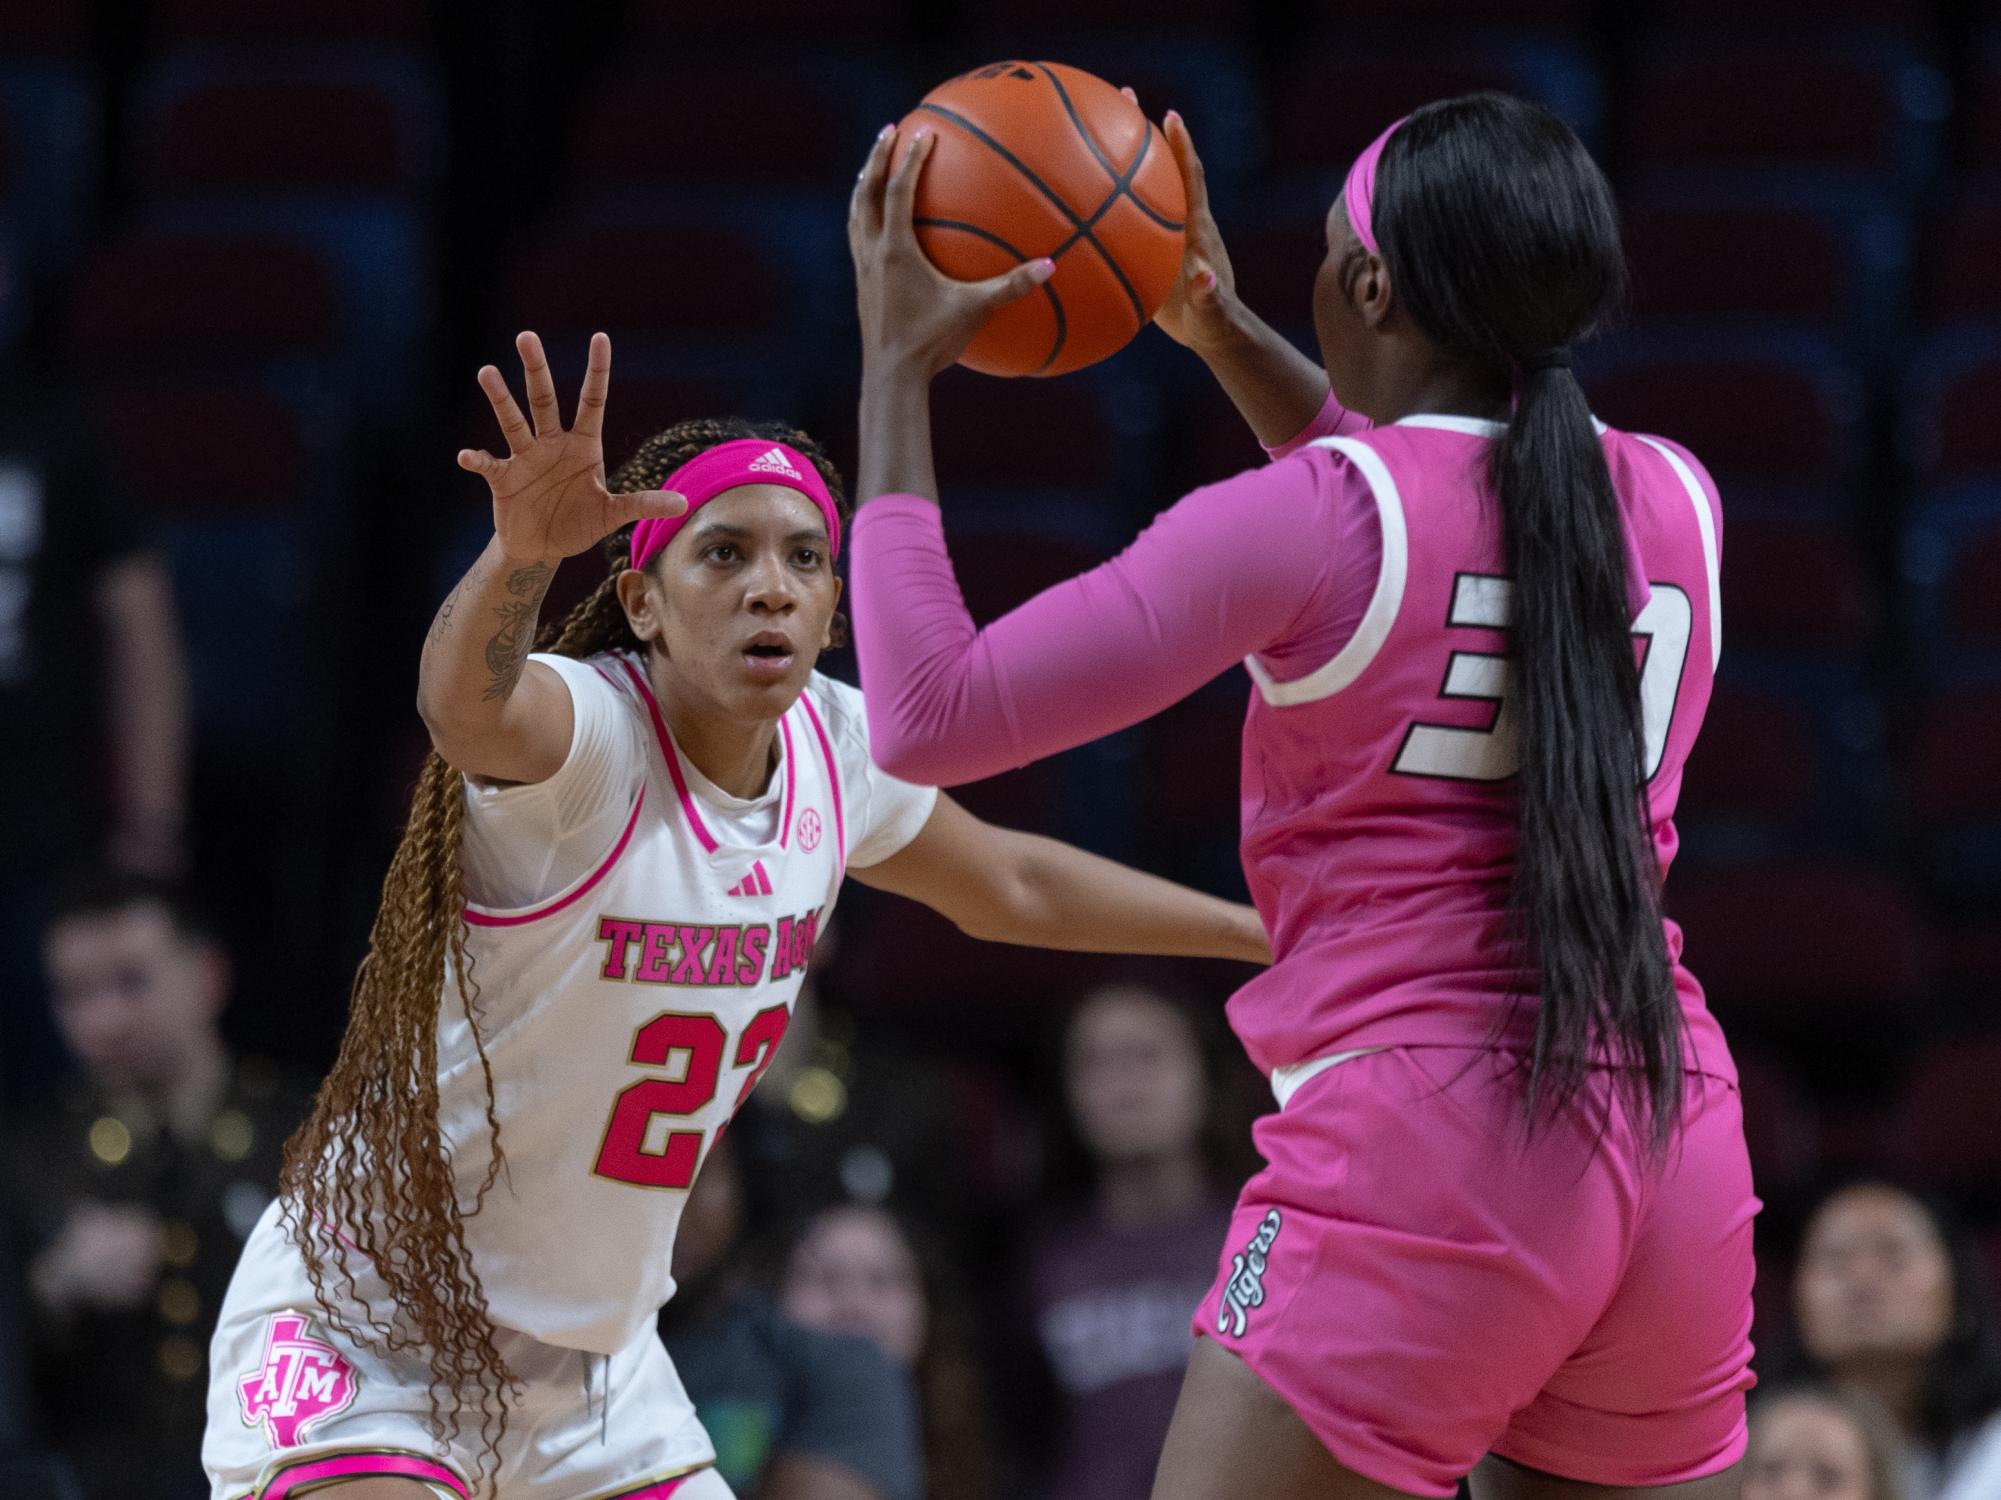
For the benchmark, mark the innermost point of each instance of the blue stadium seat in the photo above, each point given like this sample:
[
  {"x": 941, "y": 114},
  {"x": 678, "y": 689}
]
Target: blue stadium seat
[
  {"x": 335, "y": 151},
  {"x": 1961, "y": 279},
  {"x": 1950, "y": 563},
  {"x": 1984, "y": 109},
  {"x": 1790, "y": 758},
  {"x": 50, "y": 153},
  {"x": 791, "y": 122},
  {"x": 1776, "y": 416},
  {"x": 1338, "y": 96},
  {"x": 1770, "y": 248},
  {"x": 314, "y": 21},
  {"x": 1952, "y": 389},
  {"x": 1795, "y": 941},
  {"x": 1867, "y": 103},
  {"x": 243, "y": 469},
  {"x": 165, "y": 298},
  {"x": 675, "y": 23}
]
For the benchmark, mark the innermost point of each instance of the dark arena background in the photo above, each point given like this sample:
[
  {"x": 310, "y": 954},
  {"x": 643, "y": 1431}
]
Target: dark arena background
[{"x": 252, "y": 253}]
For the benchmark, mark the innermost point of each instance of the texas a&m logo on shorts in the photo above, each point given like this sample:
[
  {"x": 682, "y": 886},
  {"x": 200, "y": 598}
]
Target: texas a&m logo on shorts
[
  {"x": 1246, "y": 1287},
  {"x": 301, "y": 1380}
]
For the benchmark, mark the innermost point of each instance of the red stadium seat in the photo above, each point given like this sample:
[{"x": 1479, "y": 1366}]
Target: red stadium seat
[
  {"x": 1827, "y": 604},
  {"x": 1985, "y": 112},
  {"x": 1567, "y": 15},
  {"x": 275, "y": 130},
  {"x": 1793, "y": 12},
  {"x": 1779, "y": 1124},
  {"x": 1744, "y": 414},
  {"x": 1755, "y": 759},
  {"x": 1742, "y": 105},
  {"x": 1339, "y": 96},
  {"x": 177, "y": 297},
  {"x": 1046, "y": 434},
  {"x": 749, "y": 122},
  {"x": 209, "y": 444},
  {"x": 1963, "y": 269},
  {"x": 1950, "y": 1135},
  {"x": 640, "y": 280},
  {"x": 1952, "y": 416},
  {"x": 1955, "y": 773},
  {"x": 54, "y": 28},
  {"x": 1796, "y": 937},
  {"x": 1693, "y": 260},
  {"x": 1040, "y": 16},
  {"x": 674, "y": 23},
  {"x": 302, "y": 20}
]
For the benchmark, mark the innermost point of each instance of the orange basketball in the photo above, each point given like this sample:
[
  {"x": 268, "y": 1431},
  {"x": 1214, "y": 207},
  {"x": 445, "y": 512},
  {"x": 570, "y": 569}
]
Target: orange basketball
[{"x": 1036, "y": 159}]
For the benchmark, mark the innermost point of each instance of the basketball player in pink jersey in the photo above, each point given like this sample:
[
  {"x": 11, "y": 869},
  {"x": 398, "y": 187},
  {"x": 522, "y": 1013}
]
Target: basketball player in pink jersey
[
  {"x": 588, "y": 949},
  {"x": 1505, "y": 1223}
]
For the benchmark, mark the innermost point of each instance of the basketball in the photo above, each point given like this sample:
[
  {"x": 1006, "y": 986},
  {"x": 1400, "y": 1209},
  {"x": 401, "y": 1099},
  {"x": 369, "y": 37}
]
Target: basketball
[{"x": 1037, "y": 159}]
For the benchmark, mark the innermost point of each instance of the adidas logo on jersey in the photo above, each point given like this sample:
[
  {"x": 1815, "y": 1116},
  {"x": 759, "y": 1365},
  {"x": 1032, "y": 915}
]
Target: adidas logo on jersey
[{"x": 773, "y": 461}]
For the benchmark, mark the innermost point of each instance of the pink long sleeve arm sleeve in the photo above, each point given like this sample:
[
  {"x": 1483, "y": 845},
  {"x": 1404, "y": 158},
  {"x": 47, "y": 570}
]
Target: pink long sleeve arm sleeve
[{"x": 1228, "y": 571}]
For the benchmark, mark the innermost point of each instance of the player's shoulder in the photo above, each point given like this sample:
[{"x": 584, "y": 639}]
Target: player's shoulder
[
  {"x": 841, "y": 709},
  {"x": 1654, "y": 449}
]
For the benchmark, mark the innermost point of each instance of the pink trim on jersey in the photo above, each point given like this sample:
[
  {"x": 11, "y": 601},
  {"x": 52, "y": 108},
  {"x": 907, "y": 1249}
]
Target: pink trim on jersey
[
  {"x": 833, "y": 782},
  {"x": 785, "y": 810},
  {"x": 480, "y": 917},
  {"x": 659, "y": 1489},
  {"x": 670, "y": 754},
  {"x": 299, "y": 1478}
]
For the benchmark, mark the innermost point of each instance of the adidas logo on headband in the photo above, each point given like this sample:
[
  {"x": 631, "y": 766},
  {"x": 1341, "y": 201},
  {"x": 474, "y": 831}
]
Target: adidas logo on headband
[{"x": 773, "y": 461}]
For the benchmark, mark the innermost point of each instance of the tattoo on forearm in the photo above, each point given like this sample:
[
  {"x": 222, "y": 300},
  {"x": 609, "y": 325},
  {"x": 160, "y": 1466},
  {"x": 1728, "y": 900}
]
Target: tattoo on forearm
[
  {"x": 507, "y": 648},
  {"x": 531, "y": 582}
]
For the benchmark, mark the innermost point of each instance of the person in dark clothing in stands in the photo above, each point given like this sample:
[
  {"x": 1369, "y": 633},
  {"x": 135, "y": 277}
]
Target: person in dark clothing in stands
[
  {"x": 89, "y": 640},
  {"x": 137, "y": 1183},
  {"x": 795, "y": 1414}
]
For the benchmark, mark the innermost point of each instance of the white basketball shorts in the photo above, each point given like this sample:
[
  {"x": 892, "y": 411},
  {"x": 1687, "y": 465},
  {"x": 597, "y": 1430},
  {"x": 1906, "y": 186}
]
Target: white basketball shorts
[{"x": 294, "y": 1405}]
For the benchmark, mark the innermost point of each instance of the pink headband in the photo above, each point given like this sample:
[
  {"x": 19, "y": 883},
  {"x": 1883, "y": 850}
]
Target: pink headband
[
  {"x": 1360, "y": 189},
  {"x": 724, "y": 467}
]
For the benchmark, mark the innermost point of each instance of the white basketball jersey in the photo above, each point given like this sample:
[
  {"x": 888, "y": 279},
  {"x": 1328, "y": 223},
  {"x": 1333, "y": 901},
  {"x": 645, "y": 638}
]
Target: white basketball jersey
[{"x": 627, "y": 1017}]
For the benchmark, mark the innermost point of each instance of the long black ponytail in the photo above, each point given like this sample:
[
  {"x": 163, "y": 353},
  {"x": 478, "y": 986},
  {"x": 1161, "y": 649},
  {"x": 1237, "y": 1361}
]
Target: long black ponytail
[{"x": 1502, "y": 244}]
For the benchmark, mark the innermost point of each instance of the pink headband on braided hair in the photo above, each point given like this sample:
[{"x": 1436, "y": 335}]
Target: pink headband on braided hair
[
  {"x": 1359, "y": 191},
  {"x": 724, "y": 467}
]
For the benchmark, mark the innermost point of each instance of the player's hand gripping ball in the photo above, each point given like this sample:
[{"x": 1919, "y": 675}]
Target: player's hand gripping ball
[{"x": 1038, "y": 159}]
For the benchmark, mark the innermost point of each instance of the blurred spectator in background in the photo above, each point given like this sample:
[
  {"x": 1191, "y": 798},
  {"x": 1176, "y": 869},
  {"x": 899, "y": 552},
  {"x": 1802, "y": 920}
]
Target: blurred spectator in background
[
  {"x": 1892, "y": 1304},
  {"x": 88, "y": 641},
  {"x": 794, "y": 1413},
  {"x": 138, "y": 1183},
  {"x": 856, "y": 1269},
  {"x": 1111, "y": 1283},
  {"x": 1820, "y": 1443}
]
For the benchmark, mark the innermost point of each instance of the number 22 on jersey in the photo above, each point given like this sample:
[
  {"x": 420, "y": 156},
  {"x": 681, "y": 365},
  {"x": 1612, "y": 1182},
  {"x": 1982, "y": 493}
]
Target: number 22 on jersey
[
  {"x": 691, "y": 1049},
  {"x": 1481, "y": 600}
]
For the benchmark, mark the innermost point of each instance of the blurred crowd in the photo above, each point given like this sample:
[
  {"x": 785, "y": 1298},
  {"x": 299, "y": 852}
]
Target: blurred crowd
[{"x": 250, "y": 256}]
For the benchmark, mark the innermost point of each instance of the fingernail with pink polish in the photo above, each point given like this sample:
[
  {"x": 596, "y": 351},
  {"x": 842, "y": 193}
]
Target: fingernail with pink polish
[{"x": 1042, "y": 270}]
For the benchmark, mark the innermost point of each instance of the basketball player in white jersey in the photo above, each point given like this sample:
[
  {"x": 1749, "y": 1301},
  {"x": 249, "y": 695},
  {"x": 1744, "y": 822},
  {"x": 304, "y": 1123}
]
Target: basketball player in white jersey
[{"x": 588, "y": 948}]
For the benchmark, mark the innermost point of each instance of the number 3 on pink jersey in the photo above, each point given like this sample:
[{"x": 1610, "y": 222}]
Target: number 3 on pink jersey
[{"x": 701, "y": 1039}]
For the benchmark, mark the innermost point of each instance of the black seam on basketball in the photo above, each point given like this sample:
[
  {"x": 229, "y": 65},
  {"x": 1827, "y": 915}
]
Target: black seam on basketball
[
  {"x": 1120, "y": 185},
  {"x": 1124, "y": 181},
  {"x": 1077, "y": 120},
  {"x": 1140, "y": 203},
  {"x": 1048, "y": 192},
  {"x": 1055, "y": 302}
]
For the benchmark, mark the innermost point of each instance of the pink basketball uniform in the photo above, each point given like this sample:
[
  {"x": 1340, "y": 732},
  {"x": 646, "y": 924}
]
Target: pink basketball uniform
[{"x": 1421, "y": 1283}]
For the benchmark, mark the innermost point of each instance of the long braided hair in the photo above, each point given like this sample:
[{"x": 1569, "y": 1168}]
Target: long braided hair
[{"x": 369, "y": 1176}]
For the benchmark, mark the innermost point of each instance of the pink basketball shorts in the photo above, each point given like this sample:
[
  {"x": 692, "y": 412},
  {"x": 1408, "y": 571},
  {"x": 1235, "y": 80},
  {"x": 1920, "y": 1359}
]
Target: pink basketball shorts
[{"x": 1424, "y": 1287}]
